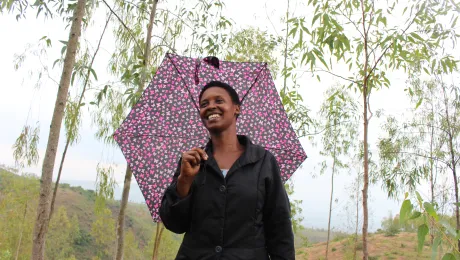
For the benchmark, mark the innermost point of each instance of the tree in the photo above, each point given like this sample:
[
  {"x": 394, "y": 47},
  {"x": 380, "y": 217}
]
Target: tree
[
  {"x": 426, "y": 146},
  {"x": 103, "y": 232},
  {"x": 60, "y": 237},
  {"x": 253, "y": 45},
  {"x": 168, "y": 248},
  {"x": 132, "y": 250},
  {"x": 339, "y": 121},
  {"x": 391, "y": 225},
  {"x": 43, "y": 208},
  {"x": 409, "y": 150},
  {"x": 370, "y": 45},
  {"x": 72, "y": 118},
  {"x": 18, "y": 199}
]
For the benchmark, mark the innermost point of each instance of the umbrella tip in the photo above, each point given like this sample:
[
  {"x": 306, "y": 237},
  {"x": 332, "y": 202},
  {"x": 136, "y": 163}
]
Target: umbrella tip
[{"x": 211, "y": 60}]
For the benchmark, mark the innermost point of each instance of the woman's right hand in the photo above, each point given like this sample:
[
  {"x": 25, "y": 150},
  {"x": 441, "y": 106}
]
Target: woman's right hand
[
  {"x": 191, "y": 160},
  {"x": 189, "y": 168}
]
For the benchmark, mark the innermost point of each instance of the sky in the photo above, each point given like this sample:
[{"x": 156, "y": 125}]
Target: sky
[{"x": 23, "y": 103}]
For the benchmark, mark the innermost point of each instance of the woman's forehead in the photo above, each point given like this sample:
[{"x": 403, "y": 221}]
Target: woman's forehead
[{"x": 215, "y": 91}]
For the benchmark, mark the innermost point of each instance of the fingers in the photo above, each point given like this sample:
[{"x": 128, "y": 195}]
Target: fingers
[
  {"x": 201, "y": 152},
  {"x": 194, "y": 156},
  {"x": 190, "y": 158}
]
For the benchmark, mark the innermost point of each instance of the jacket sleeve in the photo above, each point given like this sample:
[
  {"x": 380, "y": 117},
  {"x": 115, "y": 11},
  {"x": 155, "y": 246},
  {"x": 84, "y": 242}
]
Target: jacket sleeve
[
  {"x": 279, "y": 236},
  {"x": 175, "y": 211}
]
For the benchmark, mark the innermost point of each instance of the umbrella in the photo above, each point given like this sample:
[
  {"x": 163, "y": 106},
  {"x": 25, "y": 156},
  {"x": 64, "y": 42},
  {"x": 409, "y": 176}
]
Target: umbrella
[{"x": 165, "y": 122}]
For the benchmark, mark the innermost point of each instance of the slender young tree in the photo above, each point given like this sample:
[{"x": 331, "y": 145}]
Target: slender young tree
[
  {"x": 43, "y": 209},
  {"x": 370, "y": 45},
  {"x": 338, "y": 117}
]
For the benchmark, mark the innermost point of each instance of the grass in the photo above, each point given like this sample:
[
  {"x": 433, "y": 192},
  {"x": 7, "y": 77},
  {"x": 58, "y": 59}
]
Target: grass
[{"x": 402, "y": 246}]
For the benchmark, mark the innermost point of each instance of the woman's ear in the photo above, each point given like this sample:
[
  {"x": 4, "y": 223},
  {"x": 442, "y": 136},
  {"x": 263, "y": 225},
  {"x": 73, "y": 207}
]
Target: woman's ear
[{"x": 237, "y": 111}]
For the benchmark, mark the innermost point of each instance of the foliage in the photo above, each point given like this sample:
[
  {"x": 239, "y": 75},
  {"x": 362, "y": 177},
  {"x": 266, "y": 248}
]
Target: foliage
[
  {"x": 61, "y": 236},
  {"x": 25, "y": 150},
  {"x": 132, "y": 249},
  {"x": 339, "y": 122},
  {"x": 418, "y": 149},
  {"x": 296, "y": 208},
  {"x": 446, "y": 236},
  {"x": 391, "y": 225},
  {"x": 105, "y": 185},
  {"x": 169, "y": 246},
  {"x": 103, "y": 231},
  {"x": 79, "y": 240},
  {"x": 253, "y": 45},
  {"x": 17, "y": 206},
  {"x": 361, "y": 36}
]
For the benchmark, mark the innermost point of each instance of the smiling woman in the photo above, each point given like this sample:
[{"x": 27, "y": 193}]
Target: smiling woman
[
  {"x": 228, "y": 198},
  {"x": 219, "y": 106}
]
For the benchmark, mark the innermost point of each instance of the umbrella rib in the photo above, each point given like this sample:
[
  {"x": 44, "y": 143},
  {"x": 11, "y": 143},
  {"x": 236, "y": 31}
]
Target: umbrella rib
[
  {"x": 284, "y": 149},
  {"x": 185, "y": 83},
  {"x": 253, "y": 83},
  {"x": 161, "y": 136}
]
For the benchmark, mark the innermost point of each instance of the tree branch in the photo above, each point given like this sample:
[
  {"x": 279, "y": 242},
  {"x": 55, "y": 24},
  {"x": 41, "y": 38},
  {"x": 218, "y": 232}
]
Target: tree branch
[
  {"x": 324, "y": 129},
  {"x": 423, "y": 156},
  {"x": 186, "y": 24},
  {"x": 388, "y": 47},
  {"x": 124, "y": 25},
  {"x": 348, "y": 18},
  {"x": 338, "y": 76}
]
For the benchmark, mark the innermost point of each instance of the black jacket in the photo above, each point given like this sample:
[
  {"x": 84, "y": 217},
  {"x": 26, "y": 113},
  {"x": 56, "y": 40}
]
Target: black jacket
[{"x": 245, "y": 215}]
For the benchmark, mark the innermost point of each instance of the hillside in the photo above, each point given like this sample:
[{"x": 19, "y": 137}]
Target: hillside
[
  {"x": 402, "y": 246},
  {"x": 19, "y": 191},
  {"x": 79, "y": 204}
]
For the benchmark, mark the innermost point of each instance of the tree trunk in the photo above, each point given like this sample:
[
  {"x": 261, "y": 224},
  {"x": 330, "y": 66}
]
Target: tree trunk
[
  {"x": 128, "y": 176},
  {"x": 366, "y": 180},
  {"x": 158, "y": 235},
  {"x": 80, "y": 101},
  {"x": 56, "y": 185},
  {"x": 22, "y": 232},
  {"x": 43, "y": 208},
  {"x": 355, "y": 249},
  {"x": 286, "y": 48},
  {"x": 453, "y": 164},
  {"x": 365, "y": 93},
  {"x": 121, "y": 214},
  {"x": 330, "y": 206},
  {"x": 432, "y": 179},
  {"x": 457, "y": 215},
  {"x": 454, "y": 173},
  {"x": 155, "y": 242}
]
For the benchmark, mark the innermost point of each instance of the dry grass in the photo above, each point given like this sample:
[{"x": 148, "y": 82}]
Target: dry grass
[{"x": 400, "y": 247}]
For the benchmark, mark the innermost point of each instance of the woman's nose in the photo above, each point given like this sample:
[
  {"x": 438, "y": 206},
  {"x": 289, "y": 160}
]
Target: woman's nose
[{"x": 212, "y": 104}]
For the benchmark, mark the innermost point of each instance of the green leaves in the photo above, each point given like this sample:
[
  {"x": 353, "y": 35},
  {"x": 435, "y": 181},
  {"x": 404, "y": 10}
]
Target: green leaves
[
  {"x": 25, "y": 151},
  {"x": 405, "y": 211},
  {"x": 449, "y": 256},
  {"x": 415, "y": 215},
  {"x": 434, "y": 249},
  {"x": 430, "y": 210},
  {"x": 421, "y": 234}
]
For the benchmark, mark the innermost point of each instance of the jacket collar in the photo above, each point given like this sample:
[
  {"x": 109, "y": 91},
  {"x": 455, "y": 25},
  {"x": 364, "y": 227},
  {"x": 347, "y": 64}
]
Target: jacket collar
[{"x": 252, "y": 153}]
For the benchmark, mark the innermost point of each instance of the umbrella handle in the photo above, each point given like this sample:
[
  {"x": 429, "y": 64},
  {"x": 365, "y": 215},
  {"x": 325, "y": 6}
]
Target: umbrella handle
[{"x": 211, "y": 60}]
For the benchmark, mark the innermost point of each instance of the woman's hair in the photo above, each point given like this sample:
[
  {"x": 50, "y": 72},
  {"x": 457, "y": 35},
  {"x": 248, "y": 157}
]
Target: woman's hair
[{"x": 233, "y": 95}]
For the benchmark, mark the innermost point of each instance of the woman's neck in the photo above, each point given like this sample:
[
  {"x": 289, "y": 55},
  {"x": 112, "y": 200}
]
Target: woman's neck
[{"x": 226, "y": 142}]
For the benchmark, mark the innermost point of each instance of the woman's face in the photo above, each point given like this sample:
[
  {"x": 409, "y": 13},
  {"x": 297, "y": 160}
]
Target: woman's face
[{"x": 217, "y": 110}]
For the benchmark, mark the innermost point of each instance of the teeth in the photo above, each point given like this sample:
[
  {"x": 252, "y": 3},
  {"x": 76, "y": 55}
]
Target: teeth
[{"x": 213, "y": 116}]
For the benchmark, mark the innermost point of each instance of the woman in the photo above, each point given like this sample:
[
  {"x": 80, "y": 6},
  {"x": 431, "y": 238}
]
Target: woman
[{"x": 228, "y": 198}]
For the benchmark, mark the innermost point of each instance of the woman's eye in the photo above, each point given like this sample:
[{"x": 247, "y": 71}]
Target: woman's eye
[
  {"x": 203, "y": 105},
  {"x": 220, "y": 101}
]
